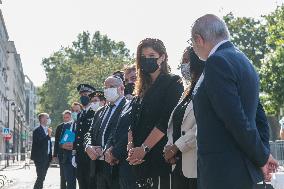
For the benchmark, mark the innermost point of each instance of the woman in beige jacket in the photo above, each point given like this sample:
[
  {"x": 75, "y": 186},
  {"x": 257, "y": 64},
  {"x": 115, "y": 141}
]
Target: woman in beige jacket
[{"x": 180, "y": 150}]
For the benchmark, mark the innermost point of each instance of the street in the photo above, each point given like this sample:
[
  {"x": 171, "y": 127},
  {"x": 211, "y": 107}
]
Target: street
[{"x": 25, "y": 178}]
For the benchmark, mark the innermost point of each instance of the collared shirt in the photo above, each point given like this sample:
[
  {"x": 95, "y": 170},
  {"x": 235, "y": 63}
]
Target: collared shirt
[
  {"x": 201, "y": 78},
  {"x": 45, "y": 128},
  {"x": 116, "y": 104},
  {"x": 216, "y": 47}
]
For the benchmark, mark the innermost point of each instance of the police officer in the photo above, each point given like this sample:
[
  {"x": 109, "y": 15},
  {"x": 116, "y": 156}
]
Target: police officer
[{"x": 84, "y": 121}]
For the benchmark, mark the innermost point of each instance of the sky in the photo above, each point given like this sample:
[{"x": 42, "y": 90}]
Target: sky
[{"x": 41, "y": 27}]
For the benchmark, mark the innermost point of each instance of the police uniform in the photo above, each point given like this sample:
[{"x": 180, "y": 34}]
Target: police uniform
[{"x": 84, "y": 121}]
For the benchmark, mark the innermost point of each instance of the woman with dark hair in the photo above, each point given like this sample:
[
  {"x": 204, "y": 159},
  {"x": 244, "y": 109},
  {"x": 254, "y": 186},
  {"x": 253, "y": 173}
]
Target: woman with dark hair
[
  {"x": 157, "y": 93},
  {"x": 181, "y": 147}
]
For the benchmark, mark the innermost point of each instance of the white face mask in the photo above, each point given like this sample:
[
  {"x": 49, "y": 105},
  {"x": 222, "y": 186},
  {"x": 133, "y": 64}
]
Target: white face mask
[
  {"x": 95, "y": 106},
  {"x": 111, "y": 94}
]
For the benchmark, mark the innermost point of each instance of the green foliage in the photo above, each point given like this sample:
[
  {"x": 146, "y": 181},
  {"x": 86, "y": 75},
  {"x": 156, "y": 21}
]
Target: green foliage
[
  {"x": 275, "y": 23},
  {"x": 91, "y": 59},
  {"x": 249, "y": 35},
  {"x": 94, "y": 74},
  {"x": 262, "y": 40},
  {"x": 272, "y": 80},
  {"x": 272, "y": 69}
]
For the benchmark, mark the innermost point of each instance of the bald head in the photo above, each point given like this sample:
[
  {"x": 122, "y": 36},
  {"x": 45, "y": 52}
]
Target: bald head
[
  {"x": 211, "y": 28},
  {"x": 114, "y": 81}
]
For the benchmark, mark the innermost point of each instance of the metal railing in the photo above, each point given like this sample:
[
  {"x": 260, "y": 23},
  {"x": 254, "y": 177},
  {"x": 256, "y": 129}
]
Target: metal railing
[{"x": 277, "y": 150}]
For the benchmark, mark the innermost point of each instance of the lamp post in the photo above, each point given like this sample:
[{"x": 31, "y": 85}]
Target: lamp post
[
  {"x": 13, "y": 105},
  {"x": 21, "y": 139},
  {"x": 18, "y": 134},
  {"x": 8, "y": 126}
]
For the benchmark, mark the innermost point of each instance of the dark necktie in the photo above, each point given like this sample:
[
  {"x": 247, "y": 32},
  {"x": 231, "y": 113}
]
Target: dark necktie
[{"x": 104, "y": 124}]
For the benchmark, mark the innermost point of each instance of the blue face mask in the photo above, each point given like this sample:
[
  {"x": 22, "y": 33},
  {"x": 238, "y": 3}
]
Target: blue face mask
[
  {"x": 74, "y": 116},
  {"x": 85, "y": 100}
]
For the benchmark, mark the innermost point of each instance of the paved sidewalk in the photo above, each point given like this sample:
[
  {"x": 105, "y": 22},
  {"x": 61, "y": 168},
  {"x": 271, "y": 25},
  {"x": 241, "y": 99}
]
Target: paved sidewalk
[{"x": 25, "y": 178}]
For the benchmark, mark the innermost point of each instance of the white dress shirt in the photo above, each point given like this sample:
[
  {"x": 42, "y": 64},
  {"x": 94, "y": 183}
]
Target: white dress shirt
[
  {"x": 45, "y": 128},
  {"x": 116, "y": 104}
]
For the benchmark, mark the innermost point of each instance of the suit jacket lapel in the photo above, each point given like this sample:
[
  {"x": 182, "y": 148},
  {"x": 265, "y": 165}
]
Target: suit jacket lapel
[{"x": 117, "y": 111}]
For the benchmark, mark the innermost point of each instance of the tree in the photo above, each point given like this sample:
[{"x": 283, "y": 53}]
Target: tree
[
  {"x": 88, "y": 47},
  {"x": 249, "y": 35},
  {"x": 272, "y": 69},
  {"x": 89, "y": 60},
  {"x": 93, "y": 74},
  {"x": 54, "y": 92}
]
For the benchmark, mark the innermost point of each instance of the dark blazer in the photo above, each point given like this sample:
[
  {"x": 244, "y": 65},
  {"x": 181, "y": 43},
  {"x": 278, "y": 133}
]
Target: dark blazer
[
  {"x": 230, "y": 150},
  {"x": 152, "y": 111},
  {"x": 118, "y": 140},
  {"x": 58, "y": 152},
  {"x": 92, "y": 138},
  {"x": 40, "y": 146},
  {"x": 83, "y": 124},
  {"x": 262, "y": 125}
]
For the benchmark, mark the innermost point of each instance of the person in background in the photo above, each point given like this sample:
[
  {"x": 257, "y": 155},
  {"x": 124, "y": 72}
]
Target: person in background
[
  {"x": 119, "y": 74},
  {"x": 58, "y": 153},
  {"x": 76, "y": 108},
  {"x": 158, "y": 92},
  {"x": 84, "y": 121},
  {"x": 64, "y": 151},
  {"x": 129, "y": 81},
  {"x": 104, "y": 125},
  {"x": 181, "y": 147},
  {"x": 42, "y": 149},
  {"x": 98, "y": 100},
  {"x": 281, "y": 122}
]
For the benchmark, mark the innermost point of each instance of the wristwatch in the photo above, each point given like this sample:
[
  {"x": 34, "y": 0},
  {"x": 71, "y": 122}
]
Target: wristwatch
[{"x": 145, "y": 148}]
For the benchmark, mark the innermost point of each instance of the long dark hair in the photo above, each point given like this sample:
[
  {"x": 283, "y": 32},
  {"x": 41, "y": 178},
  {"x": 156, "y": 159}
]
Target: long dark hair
[
  {"x": 196, "y": 68},
  {"x": 144, "y": 81}
]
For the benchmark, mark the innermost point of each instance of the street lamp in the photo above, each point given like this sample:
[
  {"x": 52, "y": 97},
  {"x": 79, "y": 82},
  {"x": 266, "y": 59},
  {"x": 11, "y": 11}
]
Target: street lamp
[
  {"x": 21, "y": 139},
  {"x": 18, "y": 133},
  {"x": 8, "y": 126},
  {"x": 14, "y": 107}
]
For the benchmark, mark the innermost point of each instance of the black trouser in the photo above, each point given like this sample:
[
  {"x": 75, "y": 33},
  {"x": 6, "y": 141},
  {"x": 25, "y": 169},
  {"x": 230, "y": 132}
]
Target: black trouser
[
  {"x": 126, "y": 183},
  {"x": 70, "y": 175},
  {"x": 179, "y": 181},
  {"x": 105, "y": 180},
  {"x": 83, "y": 175},
  {"x": 41, "y": 170},
  {"x": 62, "y": 178},
  {"x": 162, "y": 182}
]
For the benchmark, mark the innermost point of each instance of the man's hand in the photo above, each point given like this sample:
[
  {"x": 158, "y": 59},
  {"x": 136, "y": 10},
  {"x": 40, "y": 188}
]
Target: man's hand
[
  {"x": 170, "y": 152},
  {"x": 94, "y": 152},
  {"x": 130, "y": 145},
  {"x": 67, "y": 146},
  {"x": 109, "y": 158},
  {"x": 269, "y": 168},
  {"x": 49, "y": 131},
  {"x": 172, "y": 161},
  {"x": 136, "y": 156}
]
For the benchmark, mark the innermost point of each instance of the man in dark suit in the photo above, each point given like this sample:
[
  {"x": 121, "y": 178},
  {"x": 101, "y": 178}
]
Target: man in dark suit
[
  {"x": 230, "y": 151},
  {"x": 84, "y": 121},
  {"x": 116, "y": 153},
  {"x": 64, "y": 152},
  {"x": 105, "y": 124},
  {"x": 58, "y": 153},
  {"x": 41, "y": 149}
]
